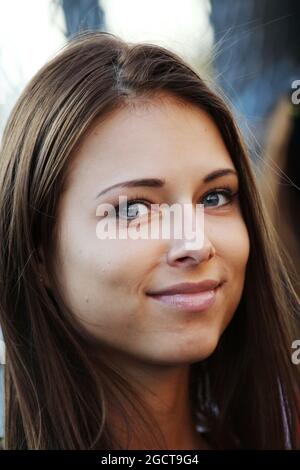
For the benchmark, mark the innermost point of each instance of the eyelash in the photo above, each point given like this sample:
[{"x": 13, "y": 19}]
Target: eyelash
[{"x": 224, "y": 191}]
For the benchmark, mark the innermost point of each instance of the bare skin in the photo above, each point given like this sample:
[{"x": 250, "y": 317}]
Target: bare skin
[
  {"x": 105, "y": 282},
  {"x": 167, "y": 398}
]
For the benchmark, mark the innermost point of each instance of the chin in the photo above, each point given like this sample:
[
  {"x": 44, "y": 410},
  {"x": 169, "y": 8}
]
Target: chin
[
  {"x": 200, "y": 348},
  {"x": 187, "y": 352}
]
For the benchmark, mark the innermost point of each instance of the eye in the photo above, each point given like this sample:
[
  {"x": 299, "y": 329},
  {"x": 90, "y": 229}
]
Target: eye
[
  {"x": 133, "y": 209},
  {"x": 218, "y": 197}
]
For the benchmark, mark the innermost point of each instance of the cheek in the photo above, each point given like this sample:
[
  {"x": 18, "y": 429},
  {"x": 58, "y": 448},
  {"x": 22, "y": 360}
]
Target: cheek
[
  {"x": 237, "y": 253},
  {"x": 232, "y": 244},
  {"x": 100, "y": 275},
  {"x": 102, "y": 282},
  {"x": 123, "y": 264}
]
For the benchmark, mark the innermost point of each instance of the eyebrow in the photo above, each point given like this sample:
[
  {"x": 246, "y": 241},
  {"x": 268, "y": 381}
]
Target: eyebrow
[{"x": 159, "y": 183}]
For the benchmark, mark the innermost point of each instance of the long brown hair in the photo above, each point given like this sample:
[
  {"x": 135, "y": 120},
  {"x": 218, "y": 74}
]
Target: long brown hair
[
  {"x": 280, "y": 187},
  {"x": 58, "y": 391}
]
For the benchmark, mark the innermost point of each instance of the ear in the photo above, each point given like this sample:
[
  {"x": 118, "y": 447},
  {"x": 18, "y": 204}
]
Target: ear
[{"x": 42, "y": 267}]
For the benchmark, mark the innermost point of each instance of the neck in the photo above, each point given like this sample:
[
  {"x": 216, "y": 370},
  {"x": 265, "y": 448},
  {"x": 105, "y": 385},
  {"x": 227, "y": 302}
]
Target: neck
[{"x": 165, "y": 390}]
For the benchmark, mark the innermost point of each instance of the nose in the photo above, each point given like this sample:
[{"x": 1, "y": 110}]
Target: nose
[
  {"x": 181, "y": 252},
  {"x": 180, "y": 255}
]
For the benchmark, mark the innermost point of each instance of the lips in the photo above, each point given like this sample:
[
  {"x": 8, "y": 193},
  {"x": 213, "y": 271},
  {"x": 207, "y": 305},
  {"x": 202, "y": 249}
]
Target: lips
[
  {"x": 187, "y": 288},
  {"x": 190, "y": 297}
]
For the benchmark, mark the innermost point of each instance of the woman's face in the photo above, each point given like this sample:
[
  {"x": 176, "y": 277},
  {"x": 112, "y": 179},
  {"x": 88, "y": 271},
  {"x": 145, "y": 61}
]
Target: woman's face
[{"x": 105, "y": 282}]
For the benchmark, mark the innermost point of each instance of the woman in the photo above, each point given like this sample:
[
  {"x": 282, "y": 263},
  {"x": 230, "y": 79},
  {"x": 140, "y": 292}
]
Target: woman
[{"x": 102, "y": 352}]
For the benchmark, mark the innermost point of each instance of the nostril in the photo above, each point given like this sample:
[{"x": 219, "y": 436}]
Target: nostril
[{"x": 184, "y": 260}]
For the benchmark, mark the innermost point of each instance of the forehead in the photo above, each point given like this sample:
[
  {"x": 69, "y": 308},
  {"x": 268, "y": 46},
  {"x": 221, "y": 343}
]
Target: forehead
[{"x": 159, "y": 138}]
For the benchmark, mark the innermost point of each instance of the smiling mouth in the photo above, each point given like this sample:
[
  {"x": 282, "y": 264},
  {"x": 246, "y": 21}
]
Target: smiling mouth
[{"x": 190, "y": 302}]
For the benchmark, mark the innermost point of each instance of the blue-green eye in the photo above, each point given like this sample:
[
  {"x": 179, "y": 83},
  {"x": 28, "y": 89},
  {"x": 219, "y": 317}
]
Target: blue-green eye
[
  {"x": 218, "y": 198},
  {"x": 133, "y": 209},
  {"x": 137, "y": 208}
]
